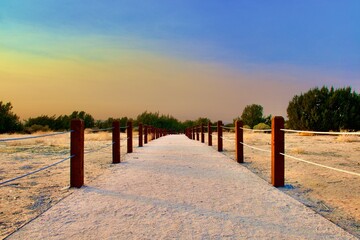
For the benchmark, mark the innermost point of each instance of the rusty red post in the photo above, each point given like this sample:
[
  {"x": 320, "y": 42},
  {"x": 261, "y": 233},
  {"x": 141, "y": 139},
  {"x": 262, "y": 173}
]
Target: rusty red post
[
  {"x": 129, "y": 137},
  {"x": 220, "y": 134},
  {"x": 202, "y": 133},
  {"x": 145, "y": 134},
  {"x": 116, "y": 141},
  {"x": 277, "y": 147},
  {"x": 239, "y": 138},
  {"x": 77, "y": 153},
  {"x": 209, "y": 134},
  {"x": 140, "y": 135}
]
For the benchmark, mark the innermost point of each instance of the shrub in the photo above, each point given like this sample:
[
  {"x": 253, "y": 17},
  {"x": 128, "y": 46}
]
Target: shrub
[
  {"x": 37, "y": 128},
  {"x": 262, "y": 126}
]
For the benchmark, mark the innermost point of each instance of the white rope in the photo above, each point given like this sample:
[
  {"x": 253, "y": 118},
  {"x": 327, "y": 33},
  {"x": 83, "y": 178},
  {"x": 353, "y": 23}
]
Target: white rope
[
  {"x": 259, "y": 149},
  {"x": 324, "y": 133},
  {"x": 38, "y": 170},
  {"x": 320, "y": 165},
  {"x": 31, "y": 137},
  {"x": 256, "y": 130}
]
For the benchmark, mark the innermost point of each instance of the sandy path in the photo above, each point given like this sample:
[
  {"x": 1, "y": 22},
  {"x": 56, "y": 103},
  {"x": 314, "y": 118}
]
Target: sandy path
[{"x": 174, "y": 188}]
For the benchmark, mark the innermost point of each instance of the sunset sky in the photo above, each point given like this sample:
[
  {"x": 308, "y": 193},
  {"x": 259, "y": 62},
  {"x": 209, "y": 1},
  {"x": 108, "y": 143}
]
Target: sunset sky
[{"x": 186, "y": 58}]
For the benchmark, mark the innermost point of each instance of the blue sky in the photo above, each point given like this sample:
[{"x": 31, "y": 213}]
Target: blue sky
[{"x": 317, "y": 42}]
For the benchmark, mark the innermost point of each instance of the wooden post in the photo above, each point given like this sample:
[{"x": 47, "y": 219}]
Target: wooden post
[
  {"x": 239, "y": 138},
  {"x": 145, "y": 134},
  {"x": 209, "y": 134},
  {"x": 197, "y": 133},
  {"x": 116, "y": 141},
  {"x": 77, "y": 151},
  {"x": 129, "y": 137},
  {"x": 194, "y": 133},
  {"x": 277, "y": 147},
  {"x": 140, "y": 135},
  {"x": 202, "y": 133},
  {"x": 220, "y": 133}
]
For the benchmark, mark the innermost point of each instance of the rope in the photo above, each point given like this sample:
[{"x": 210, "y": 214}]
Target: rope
[
  {"x": 320, "y": 165},
  {"x": 256, "y": 130},
  {"x": 31, "y": 137},
  {"x": 259, "y": 149},
  {"x": 95, "y": 150},
  {"x": 324, "y": 133},
  {"x": 38, "y": 170},
  {"x": 123, "y": 127},
  {"x": 102, "y": 129}
]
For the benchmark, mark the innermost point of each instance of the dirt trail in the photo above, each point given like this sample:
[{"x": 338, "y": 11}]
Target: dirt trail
[{"x": 174, "y": 188}]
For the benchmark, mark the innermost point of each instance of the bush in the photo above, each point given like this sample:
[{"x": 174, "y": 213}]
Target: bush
[
  {"x": 37, "y": 128},
  {"x": 262, "y": 126}
]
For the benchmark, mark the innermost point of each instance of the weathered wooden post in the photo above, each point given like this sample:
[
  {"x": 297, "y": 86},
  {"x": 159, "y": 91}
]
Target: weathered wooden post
[
  {"x": 202, "y": 133},
  {"x": 77, "y": 153},
  {"x": 220, "y": 134},
  {"x": 140, "y": 135},
  {"x": 116, "y": 141},
  {"x": 277, "y": 147},
  {"x": 239, "y": 138},
  {"x": 209, "y": 134},
  {"x": 194, "y": 133},
  {"x": 145, "y": 134},
  {"x": 129, "y": 137},
  {"x": 197, "y": 133}
]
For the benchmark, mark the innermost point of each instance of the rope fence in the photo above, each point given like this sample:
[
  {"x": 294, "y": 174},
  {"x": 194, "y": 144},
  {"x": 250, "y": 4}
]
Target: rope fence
[
  {"x": 277, "y": 145},
  {"x": 32, "y": 137},
  {"x": 146, "y": 133},
  {"x": 36, "y": 171}
]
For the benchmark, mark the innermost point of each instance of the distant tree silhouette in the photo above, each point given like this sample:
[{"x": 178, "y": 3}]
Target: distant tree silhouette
[{"x": 9, "y": 122}]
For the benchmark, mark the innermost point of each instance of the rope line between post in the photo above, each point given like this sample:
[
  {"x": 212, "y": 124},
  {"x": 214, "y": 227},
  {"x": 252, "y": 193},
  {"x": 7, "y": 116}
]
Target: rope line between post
[
  {"x": 320, "y": 165},
  {"x": 323, "y": 133},
  {"x": 36, "y": 171},
  {"x": 101, "y": 130},
  {"x": 255, "y": 130},
  {"x": 259, "y": 149},
  {"x": 31, "y": 137}
]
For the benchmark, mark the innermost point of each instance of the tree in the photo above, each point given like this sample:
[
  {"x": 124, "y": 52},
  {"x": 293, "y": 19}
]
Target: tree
[
  {"x": 252, "y": 115},
  {"x": 325, "y": 109},
  {"x": 9, "y": 122},
  {"x": 89, "y": 121}
]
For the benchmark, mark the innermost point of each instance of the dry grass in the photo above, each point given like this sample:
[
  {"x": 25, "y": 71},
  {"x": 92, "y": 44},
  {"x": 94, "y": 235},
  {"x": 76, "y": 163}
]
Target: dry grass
[
  {"x": 24, "y": 199},
  {"x": 348, "y": 138}
]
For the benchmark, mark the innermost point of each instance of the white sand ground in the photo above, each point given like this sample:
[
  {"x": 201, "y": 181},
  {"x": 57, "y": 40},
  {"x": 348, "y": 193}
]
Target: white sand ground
[{"x": 175, "y": 188}]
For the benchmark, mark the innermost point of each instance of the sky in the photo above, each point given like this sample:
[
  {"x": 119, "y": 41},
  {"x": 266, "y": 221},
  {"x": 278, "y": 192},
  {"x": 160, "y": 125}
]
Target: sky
[{"x": 188, "y": 58}]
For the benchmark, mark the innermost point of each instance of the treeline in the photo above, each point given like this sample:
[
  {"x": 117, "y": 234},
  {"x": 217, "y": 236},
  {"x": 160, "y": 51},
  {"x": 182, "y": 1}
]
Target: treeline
[
  {"x": 319, "y": 109},
  {"x": 9, "y": 121}
]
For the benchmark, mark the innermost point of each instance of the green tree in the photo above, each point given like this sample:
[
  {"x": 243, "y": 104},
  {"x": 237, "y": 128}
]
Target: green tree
[
  {"x": 89, "y": 121},
  {"x": 325, "y": 109},
  {"x": 252, "y": 115},
  {"x": 9, "y": 122},
  {"x": 42, "y": 120}
]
